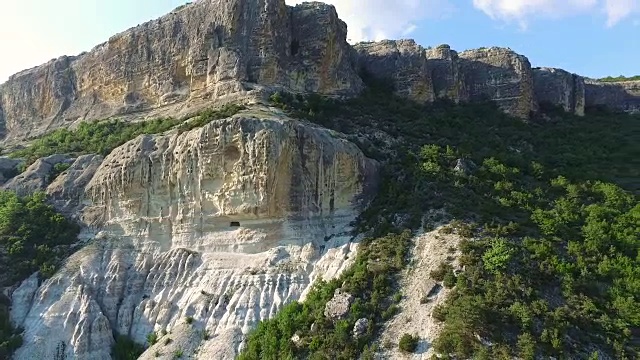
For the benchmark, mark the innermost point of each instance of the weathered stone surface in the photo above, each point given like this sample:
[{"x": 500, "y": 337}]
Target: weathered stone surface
[
  {"x": 8, "y": 168},
  {"x": 559, "y": 87},
  {"x": 166, "y": 250},
  {"x": 501, "y": 75},
  {"x": 37, "y": 176},
  {"x": 210, "y": 51},
  {"x": 465, "y": 166},
  {"x": 446, "y": 74},
  {"x": 621, "y": 96},
  {"x": 402, "y": 61},
  {"x": 360, "y": 328},
  {"x": 338, "y": 307},
  {"x": 66, "y": 191}
]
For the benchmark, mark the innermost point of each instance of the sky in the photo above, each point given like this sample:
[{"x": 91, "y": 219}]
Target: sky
[{"x": 594, "y": 38}]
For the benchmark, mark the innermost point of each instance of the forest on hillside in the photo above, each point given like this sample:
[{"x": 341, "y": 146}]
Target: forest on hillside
[{"x": 549, "y": 210}]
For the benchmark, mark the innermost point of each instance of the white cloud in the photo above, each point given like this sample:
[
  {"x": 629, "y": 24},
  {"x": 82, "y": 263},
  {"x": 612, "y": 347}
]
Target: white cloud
[
  {"x": 522, "y": 11},
  {"x": 385, "y": 19}
]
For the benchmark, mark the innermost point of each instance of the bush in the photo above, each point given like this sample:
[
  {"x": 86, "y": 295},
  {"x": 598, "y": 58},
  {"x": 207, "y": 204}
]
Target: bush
[
  {"x": 126, "y": 349},
  {"x": 442, "y": 270},
  {"x": 152, "y": 338},
  {"x": 449, "y": 280},
  {"x": 101, "y": 137},
  {"x": 408, "y": 343},
  {"x": 189, "y": 319}
]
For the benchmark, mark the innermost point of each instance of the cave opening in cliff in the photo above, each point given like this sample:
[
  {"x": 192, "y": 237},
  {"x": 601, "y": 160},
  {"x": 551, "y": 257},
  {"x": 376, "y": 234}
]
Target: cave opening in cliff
[
  {"x": 295, "y": 47},
  {"x": 235, "y": 224}
]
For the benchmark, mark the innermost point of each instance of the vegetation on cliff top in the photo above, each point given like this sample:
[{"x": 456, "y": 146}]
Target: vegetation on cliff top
[
  {"x": 553, "y": 269},
  {"x": 101, "y": 137},
  {"x": 619, "y": 78}
]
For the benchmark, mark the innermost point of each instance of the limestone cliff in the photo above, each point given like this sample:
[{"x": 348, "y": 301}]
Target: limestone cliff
[
  {"x": 403, "y": 61},
  {"x": 223, "y": 224},
  {"x": 219, "y": 51},
  {"x": 501, "y": 75},
  {"x": 446, "y": 74},
  {"x": 621, "y": 96},
  {"x": 208, "y": 51},
  {"x": 560, "y": 87}
]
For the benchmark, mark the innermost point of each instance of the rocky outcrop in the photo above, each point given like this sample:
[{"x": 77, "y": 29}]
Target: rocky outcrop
[
  {"x": 37, "y": 176},
  {"x": 223, "y": 224},
  {"x": 559, "y": 87},
  {"x": 619, "y": 96},
  {"x": 338, "y": 307},
  {"x": 500, "y": 75},
  {"x": 496, "y": 74},
  {"x": 8, "y": 168},
  {"x": 67, "y": 190},
  {"x": 446, "y": 74},
  {"x": 207, "y": 52},
  {"x": 402, "y": 61}
]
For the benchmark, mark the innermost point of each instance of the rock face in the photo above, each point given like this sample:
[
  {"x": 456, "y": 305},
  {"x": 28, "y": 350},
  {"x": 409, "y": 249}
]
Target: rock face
[
  {"x": 37, "y": 176},
  {"x": 402, "y": 61},
  {"x": 559, "y": 87},
  {"x": 501, "y": 75},
  {"x": 621, "y": 96},
  {"x": 220, "y": 51},
  {"x": 446, "y": 74},
  {"x": 223, "y": 224},
  {"x": 208, "y": 51},
  {"x": 66, "y": 191},
  {"x": 338, "y": 307}
]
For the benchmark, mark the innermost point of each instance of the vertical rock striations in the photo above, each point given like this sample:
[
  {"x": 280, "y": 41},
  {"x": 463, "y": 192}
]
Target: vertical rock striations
[
  {"x": 446, "y": 74},
  {"x": 501, "y": 75},
  {"x": 208, "y": 51},
  {"x": 619, "y": 96},
  {"x": 559, "y": 87},
  {"x": 219, "y": 51},
  {"x": 224, "y": 224},
  {"x": 402, "y": 61}
]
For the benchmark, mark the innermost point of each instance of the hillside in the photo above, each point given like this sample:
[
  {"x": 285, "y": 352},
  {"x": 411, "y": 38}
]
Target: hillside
[{"x": 272, "y": 192}]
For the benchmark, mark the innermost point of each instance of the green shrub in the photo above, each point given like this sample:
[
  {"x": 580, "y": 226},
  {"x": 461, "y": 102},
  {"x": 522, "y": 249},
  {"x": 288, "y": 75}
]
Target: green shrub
[
  {"x": 101, "y": 137},
  {"x": 152, "y": 338},
  {"x": 449, "y": 280},
  {"x": 408, "y": 343},
  {"x": 58, "y": 169},
  {"x": 442, "y": 270},
  {"x": 189, "y": 320},
  {"x": 178, "y": 354},
  {"x": 126, "y": 349}
]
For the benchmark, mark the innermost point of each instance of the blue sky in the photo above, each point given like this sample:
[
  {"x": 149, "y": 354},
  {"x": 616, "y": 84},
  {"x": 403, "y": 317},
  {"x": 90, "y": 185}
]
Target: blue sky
[{"x": 590, "y": 37}]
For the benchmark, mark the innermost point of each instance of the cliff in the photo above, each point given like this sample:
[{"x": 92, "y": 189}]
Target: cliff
[
  {"x": 223, "y": 224},
  {"x": 209, "y": 51},
  {"x": 559, "y": 87},
  {"x": 218, "y": 51},
  {"x": 622, "y": 96}
]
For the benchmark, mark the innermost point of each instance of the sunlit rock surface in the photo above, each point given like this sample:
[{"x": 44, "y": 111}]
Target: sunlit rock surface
[{"x": 223, "y": 224}]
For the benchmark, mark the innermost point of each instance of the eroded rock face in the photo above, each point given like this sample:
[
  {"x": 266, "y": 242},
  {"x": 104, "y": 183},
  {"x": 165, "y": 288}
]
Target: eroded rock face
[
  {"x": 37, "y": 176},
  {"x": 501, "y": 75},
  {"x": 402, "y": 61},
  {"x": 223, "y": 224},
  {"x": 446, "y": 74},
  {"x": 67, "y": 190},
  {"x": 620, "y": 96},
  {"x": 559, "y": 87},
  {"x": 208, "y": 51}
]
